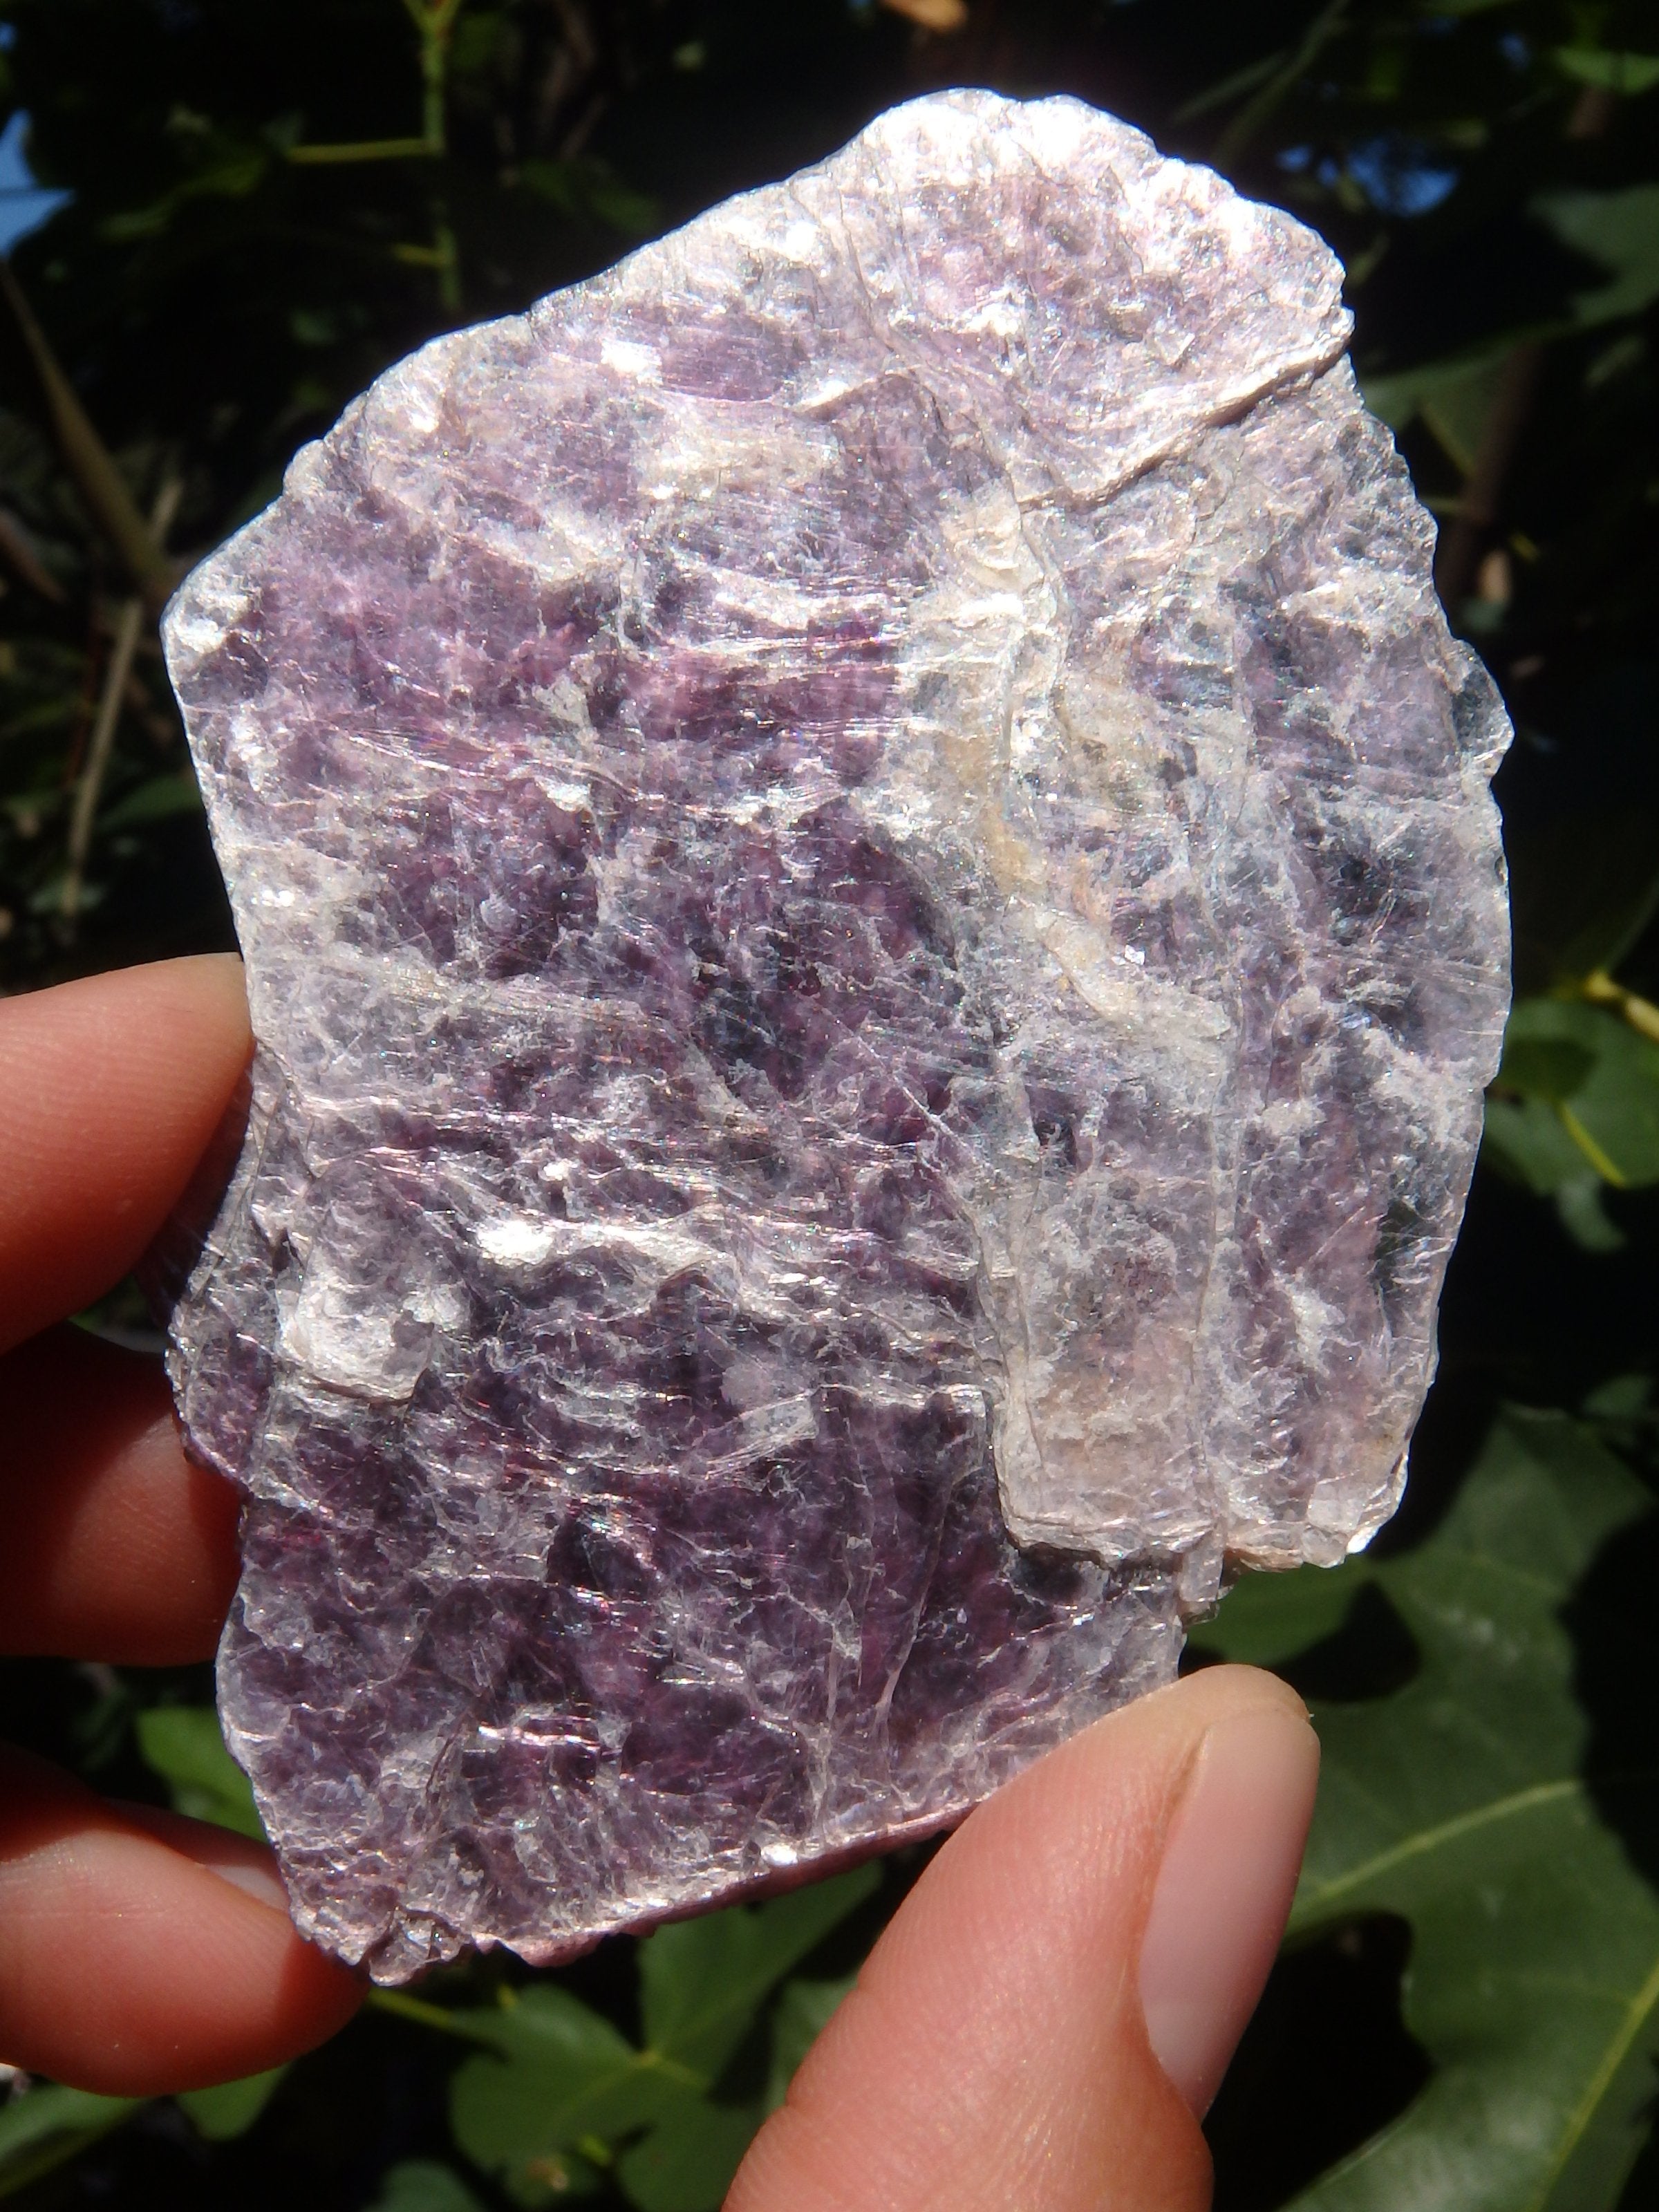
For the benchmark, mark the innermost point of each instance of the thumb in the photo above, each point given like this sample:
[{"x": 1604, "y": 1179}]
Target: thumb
[{"x": 1053, "y": 2006}]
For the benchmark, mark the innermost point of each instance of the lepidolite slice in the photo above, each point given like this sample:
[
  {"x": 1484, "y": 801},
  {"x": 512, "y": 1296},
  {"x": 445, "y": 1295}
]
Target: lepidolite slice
[{"x": 875, "y": 928}]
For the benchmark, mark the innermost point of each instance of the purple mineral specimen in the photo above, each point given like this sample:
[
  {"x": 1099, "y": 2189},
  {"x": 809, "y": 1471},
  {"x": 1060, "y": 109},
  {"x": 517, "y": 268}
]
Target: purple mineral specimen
[{"x": 875, "y": 928}]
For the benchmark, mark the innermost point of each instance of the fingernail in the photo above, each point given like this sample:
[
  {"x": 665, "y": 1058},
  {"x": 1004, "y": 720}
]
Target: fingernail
[
  {"x": 232, "y": 1857},
  {"x": 262, "y": 1883},
  {"x": 1223, "y": 1892}
]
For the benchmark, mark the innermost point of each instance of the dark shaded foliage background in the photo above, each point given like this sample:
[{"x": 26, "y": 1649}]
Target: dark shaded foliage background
[{"x": 264, "y": 202}]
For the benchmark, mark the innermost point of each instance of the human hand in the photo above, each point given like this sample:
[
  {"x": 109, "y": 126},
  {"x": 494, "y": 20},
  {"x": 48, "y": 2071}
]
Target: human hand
[
  {"x": 139, "y": 1953},
  {"x": 1039, "y": 2027},
  {"x": 1050, "y": 2012}
]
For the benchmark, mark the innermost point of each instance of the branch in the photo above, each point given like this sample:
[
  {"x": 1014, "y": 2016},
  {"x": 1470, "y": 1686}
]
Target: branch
[
  {"x": 367, "y": 149},
  {"x": 1254, "y": 113},
  {"x": 25, "y": 561},
  {"x": 117, "y": 676},
  {"x": 89, "y": 461},
  {"x": 1460, "y": 549}
]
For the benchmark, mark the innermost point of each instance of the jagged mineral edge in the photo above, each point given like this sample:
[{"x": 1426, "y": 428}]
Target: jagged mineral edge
[{"x": 875, "y": 929}]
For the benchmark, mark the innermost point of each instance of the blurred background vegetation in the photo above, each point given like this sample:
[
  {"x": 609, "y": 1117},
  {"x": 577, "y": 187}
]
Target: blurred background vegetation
[{"x": 223, "y": 217}]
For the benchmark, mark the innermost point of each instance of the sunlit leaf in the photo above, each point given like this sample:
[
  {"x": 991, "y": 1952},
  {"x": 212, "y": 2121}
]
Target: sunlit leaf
[
  {"x": 183, "y": 1744},
  {"x": 1553, "y": 1067},
  {"x": 560, "y": 2084},
  {"x": 558, "y": 2072},
  {"x": 1525, "y": 1140},
  {"x": 701, "y": 1981},
  {"x": 1456, "y": 410},
  {"x": 1460, "y": 1802}
]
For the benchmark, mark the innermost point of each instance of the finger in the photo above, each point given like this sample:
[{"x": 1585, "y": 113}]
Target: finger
[
  {"x": 116, "y": 1547},
  {"x": 110, "y": 1089},
  {"x": 142, "y": 1953},
  {"x": 1055, "y": 2001}
]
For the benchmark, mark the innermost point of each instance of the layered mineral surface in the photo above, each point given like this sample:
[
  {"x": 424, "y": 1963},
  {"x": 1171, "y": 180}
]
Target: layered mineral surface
[{"x": 875, "y": 929}]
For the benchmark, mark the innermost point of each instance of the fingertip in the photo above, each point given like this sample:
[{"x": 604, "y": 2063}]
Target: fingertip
[
  {"x": 119, "y": 1548},
  {"x": 219, "y": 975},
  {"x": 142, "y": 1953},
  {"x": 111, "y": 1088},
  {"x": 995, "y": 2048},
  {"x": 1226, "y": 1688}
]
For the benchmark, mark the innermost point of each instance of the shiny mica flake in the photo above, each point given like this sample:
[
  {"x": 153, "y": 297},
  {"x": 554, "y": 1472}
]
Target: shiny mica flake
[{"x": 875, "y": 927}]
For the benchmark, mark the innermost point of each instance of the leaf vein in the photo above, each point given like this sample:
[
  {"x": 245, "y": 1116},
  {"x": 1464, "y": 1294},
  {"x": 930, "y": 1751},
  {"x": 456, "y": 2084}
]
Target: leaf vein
[
  {"x": 1429, "y": 1839},
  {"x": 1637, "y": 2011}
]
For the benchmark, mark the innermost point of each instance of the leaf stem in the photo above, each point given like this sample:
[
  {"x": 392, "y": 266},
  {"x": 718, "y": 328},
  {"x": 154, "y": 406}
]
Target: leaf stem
[
  {"x": 366, "y": 149},
  {"x": 1606, "y": 1169},
  {"x": 427, "y": 2015},
  {"x": 1641, "y": 1013},
  {"x": 433, "y": 20}
]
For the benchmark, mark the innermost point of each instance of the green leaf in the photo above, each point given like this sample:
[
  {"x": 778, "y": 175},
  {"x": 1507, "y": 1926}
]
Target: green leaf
[
  {"x": 560, "y": 2081},
  {"x": 702, "y": 1981},
  {"x": 1631, "y": 74},
  {"x": 802, "y": 2014},
  {"x": 685, "y": 2164},
  {"x": 1618, "y": 229},
  {"x": 1551, "y": 1067},
  {"x": 585, "y": 188},
  {"x": 48, "y": 2126},
  {"x": 560, "y": 2073},
  {"x": 183, "y": 1744},
  {"x": 1459, "y": 1803},
  {"x": 218, "y": 2115},
  {"x": 1454, "y": 396},
  {"x": 1525, "y": 1140},
  {"x": 476, "y": 42},
  {"x": 1584, "y": 1216},
  {"x": 1577, "y": 1090},
  {"x": 163, "y": 795},
  {"x": 1266, "y": 1619},
  {"x": 421, "y": 2184},
  {"x": 234, "y": 177}
]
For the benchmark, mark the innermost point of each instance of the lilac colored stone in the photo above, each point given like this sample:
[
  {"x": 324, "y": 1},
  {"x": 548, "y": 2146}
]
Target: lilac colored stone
[{"x": 875, "y": 928}]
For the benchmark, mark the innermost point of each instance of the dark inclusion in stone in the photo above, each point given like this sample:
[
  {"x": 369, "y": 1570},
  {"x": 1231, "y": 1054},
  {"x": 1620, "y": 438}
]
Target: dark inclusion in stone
[{"x": 875, "y": 928}]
